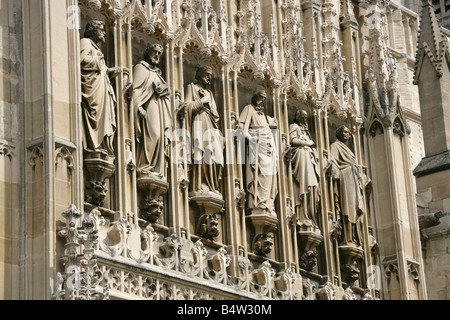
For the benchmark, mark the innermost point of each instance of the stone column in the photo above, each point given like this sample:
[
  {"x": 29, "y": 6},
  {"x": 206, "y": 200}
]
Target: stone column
[{"x": 51, "y": 136}]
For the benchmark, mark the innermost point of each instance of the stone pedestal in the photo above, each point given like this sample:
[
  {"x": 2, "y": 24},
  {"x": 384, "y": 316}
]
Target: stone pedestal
[
  {"x": 263, "y": 225},
  {"x": 349, "y": 256},
  {"x": 208, "y": 207},
  {"x": 152, "y": 188},
  {"x": 206, "y": 202},
  {"x": 99, "y": 167},
  {"x": 309, "y": 238}
]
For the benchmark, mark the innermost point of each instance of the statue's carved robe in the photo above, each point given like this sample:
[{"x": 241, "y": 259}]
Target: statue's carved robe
[
  {"x": 151, "y": 92},
  {"x": 98, "y": 99},
  {"x": 206, "y": 140},
  {"x": 261, "y": 163},
  {"x": 306, "y": 174},
  {"x": 352, "y": 204}
]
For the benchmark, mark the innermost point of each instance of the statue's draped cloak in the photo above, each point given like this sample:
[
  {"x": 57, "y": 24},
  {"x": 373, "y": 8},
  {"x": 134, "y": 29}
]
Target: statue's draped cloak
[
  {"x": 98, "y": 99},
  {"x": 153, "y": 131},
  {"x": 350, "y": 186},
  {"x": 206, "y": 140},
  {"x": 261, "y": 161},
  {"x": 306, "y": 173}
]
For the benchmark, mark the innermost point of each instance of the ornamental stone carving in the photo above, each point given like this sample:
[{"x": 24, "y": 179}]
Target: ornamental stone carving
[
  {"x": 261, "y": 164},
  {"x": 348, "y": 176},
  {"x": 207, "y": 145},
  {"x": 98, "y": 108},
  {"x": 153, "y": 116},
  {"x": 261, "y": 168},
  {"x": 98, "y": 97},
  {"x": 272, "y": 226},
  {"x": 153, "y": 127},
  {"x": 207, "y": 141},
  {"x": 306, "y": 172},
  {"x": 81, "y": 274},
  {"x": 349, "y": 183}
]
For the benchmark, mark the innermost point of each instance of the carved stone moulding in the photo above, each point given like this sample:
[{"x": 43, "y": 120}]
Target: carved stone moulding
[
  {"x": 207, "y": 202},
  {"x": 263, "y": 225},
  {"x": 99, "y": 167},
  {"x": 349, "y": 257},
  {"x": 152, "y": 188}
]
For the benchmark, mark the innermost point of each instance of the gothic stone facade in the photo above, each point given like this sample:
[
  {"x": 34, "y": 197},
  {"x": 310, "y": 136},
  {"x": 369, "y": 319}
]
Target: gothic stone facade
[{"x": 209, "y": 149}]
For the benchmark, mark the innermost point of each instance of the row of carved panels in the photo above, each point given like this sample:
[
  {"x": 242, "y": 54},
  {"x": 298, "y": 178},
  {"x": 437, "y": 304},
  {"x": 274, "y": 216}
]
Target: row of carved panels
[{"x": 168, "y": 274}]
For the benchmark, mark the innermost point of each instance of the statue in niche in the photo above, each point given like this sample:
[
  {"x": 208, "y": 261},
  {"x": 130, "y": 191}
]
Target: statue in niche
[
  {"x": 98, "y": 98},
  {"x": 349, "y": 176},
  {"x": 202, "y": 121},
  {"x": 153, "y": 117},
  {"x": 261, "y": 163},
  {"x": 305, "y": 170}
]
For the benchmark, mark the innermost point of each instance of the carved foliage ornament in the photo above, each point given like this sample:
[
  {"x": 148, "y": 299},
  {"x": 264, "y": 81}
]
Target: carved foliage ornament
[{"x": 81, "y": 274}]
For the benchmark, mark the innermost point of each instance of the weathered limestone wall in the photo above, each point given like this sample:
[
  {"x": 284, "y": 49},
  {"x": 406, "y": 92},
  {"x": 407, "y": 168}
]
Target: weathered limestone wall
[{"x": 11, "y": 148}]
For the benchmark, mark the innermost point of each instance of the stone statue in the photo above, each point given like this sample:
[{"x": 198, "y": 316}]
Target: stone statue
[
  {"x": 349, "y": 176},
  {"x": 202, "y": 121},
  {"x": 153, "y": 117},
  {"x": 98, "y": 98},
  {"x": 305, "y": 170},
  {"x": 261, "y": 162}
]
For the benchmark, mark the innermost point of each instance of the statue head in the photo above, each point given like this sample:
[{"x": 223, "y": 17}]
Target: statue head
[
  {"x": 308, "y": 260},
  {"x": 259, "y": 99},
  {"x": 343, "y": 133},
  {"x": 96, "y": 192},
  {"x": 203, "y": 76},
  {"x": 153, "y": 54},
  {"x": 95, "y": 30},
  {"x": 350, "y": 273},
  {"x": 151, "y": 209},
  {"x": 209, "y": 226},
  {"x": 301, "y": 117},
  {"x": 263, "y": 243}
]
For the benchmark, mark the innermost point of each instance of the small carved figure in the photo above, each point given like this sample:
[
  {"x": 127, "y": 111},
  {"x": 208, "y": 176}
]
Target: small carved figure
[
  {"x": 170, "y": 246},
  {"x": 152, "y": 209},
  {"x": 263, "y": 243},
  {"x": 261, "y": 163},
  {"x": 349, "y": 176},
  {"x": 350, "y": 273},
  {"x": 153, "y": 117},
  {"x": 208, "y": 226},
  {"x": 308, "y": 260},
  {"x": 96, "y": 192},
  {"x": 305, "y": 169},
  {"x": 207, "y": 140},
  {"x": 98, "y": 98}
]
